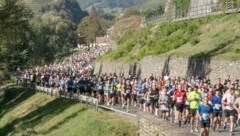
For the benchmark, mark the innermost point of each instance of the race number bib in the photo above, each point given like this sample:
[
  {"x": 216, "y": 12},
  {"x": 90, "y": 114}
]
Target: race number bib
[
  {"x": 164, "y": 107},
  {"x": 205, "y": 116},
  {"x": 179, "y": 99},
  {"x": 217, "y": 106}
]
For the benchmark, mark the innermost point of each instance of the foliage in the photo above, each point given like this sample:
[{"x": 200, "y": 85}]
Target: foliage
[
  {"x": 27, "y": 40},
  {"x": 54, "y": 38},
  {"x": 182, "y": 7},
  {"x": 90, "y": 27},
  {"x": 24, "y": 112},
  {"x": 154, "y": 12},
  {"x": 109, "y": 3},
  {"x": 131, "y": 12},
  {"x": 66, "y": 9},
  {"x": 15, "y": 36}
]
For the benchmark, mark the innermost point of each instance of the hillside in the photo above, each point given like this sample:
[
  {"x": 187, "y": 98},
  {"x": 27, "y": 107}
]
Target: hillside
[
  {"x": 216, "y": 37},
  {"x": 23, "y": 112},
  {"x": 109, "y": 3},
  {"x": 123, "y": 26},
  {"x": 36, "y": 5}
]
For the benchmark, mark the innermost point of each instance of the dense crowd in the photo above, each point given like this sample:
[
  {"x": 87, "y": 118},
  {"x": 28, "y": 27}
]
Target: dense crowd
[{"x": 195, "y": 100}]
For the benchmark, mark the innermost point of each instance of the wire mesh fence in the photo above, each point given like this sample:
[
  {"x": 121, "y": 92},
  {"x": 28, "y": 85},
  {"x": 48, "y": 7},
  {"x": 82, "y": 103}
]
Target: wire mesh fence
[{"x": 198, "y": 10}]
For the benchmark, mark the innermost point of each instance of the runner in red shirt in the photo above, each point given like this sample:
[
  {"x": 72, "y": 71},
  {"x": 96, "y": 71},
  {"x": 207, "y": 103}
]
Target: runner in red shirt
[{"x": 180, "y": 98}]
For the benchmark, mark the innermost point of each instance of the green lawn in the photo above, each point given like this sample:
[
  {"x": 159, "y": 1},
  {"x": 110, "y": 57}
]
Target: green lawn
[{"x": 23, "y": 112}]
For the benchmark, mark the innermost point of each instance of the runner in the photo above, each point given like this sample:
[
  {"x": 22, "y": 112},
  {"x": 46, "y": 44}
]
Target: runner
[
  {"x": 205, "y": 110},
  {"x": 217, "y": 110},
  {"x": 127, "y": 93},
  {"x": 187, "y": 107},
  {"x": 228, "y": 101},
  {"x": 100, "y": 90},
  {"x": 180, "y": 99},
  {"x": 237, "y": 108},
  {"x": 164, "y": 102},
  {"x": 194, "y": 98}
]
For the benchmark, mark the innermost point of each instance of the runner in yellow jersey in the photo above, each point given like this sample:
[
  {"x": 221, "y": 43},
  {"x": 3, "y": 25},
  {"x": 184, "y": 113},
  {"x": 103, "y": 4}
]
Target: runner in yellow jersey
[{"x": 194, "y": 97}]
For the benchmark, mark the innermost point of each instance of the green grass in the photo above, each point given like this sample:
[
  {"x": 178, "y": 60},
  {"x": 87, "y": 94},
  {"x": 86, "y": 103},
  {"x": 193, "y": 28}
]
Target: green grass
[
  {"x": 217, "y": 37},
  {"x": 23, "y": 112}
]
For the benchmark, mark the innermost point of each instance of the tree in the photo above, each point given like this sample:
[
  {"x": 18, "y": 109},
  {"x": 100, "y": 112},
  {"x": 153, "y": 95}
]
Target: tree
[
  {"x": 90, "y": 27},
  {"x": 67, "y": 9},
  {"x": 55, "y": 38},
  {"x": 15, "y": 34}
]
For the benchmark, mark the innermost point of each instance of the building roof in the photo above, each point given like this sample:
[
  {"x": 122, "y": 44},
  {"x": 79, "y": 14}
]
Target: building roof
[{"x": 102, "y": 40}]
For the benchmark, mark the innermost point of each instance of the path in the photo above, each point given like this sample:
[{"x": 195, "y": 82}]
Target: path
[{"x": 133, "y": 112}]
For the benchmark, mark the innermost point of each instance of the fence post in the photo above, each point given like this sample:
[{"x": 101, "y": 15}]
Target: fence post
[
  {"x": 86, "y": 101},
  {"x": 51, "y": 92},
  {"x": 96, "y": 105},
  {"x": 80, "y": 98},
  {"x": 92, "y": 104},
  {"x": 65, "y": 93}
]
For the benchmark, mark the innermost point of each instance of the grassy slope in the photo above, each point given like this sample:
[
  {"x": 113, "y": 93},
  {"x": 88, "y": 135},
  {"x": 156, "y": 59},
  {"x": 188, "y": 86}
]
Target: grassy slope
[
  {"x": 23, "y": 112},
  {"x": 217, "y": 37},
  {"x": 149, "y": 4}
]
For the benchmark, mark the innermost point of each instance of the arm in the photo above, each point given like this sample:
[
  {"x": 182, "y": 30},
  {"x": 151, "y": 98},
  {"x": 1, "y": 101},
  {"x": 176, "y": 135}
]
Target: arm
[
  {"x": 224, "y": 101},
  {"x": 189, "y": 98},
  {"x": 235, "y": 105},
  {"x": 160, "y": 99},
  {"x": 198, "y": 112}
]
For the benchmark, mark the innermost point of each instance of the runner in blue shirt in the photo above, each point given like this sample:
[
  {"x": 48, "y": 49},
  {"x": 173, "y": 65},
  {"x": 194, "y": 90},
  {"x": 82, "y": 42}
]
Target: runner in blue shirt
[
  {"x": 205, "y": 110},
  {"x": 217, "y": 109}
]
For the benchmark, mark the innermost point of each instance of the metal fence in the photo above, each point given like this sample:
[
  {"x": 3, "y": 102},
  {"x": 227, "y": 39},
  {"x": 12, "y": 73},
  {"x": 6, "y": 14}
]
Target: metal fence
[
  {"x": 176, "y": 14},
  {"x": 93, "y": 102}
]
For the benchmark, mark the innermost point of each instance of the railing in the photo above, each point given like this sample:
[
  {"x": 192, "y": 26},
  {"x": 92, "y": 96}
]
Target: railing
[
  {"x": 3, "y": 88},
  {"x": 175, "y": 14},
  {"x": 81, "y": 98}
]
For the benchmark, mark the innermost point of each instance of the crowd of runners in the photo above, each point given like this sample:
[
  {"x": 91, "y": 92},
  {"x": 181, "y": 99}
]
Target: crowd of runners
[{"x": 195, "y": 100}]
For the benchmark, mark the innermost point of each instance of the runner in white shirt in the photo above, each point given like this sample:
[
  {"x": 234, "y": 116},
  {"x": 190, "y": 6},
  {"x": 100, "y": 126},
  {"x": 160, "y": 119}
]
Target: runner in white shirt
[
  {"x": 228, "y": 101},
  {"x": 236, "y": 106}
]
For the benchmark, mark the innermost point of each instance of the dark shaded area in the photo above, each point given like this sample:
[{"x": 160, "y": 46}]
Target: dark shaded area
[
  {"x": 199, "y": 64},
  {"x": 133, "y": 70},
  {"x": 139, "y": 72},
  {"x": 166, "y": 69},
  {"x": 100, "y": 69},
  {"x": 46, "y": 112},
  {"x": 59, "y": 124},
  {"x": 12, "y": 97}
]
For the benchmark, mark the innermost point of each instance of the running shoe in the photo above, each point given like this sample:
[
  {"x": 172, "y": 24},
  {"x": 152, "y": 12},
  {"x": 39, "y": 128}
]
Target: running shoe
[
  {"x": 224, "y": 127},
  {"x": 214, "y": 128},
  {"x": 196, "y": 129},
  {"x": 185, "y": 122},
  {"x": 179, "y": 124},
  {"x": 192, "y": 130}
]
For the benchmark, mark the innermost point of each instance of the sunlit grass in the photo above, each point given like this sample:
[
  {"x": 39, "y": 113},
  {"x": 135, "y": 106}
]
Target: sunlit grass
[{"x": 25, "y": 113}]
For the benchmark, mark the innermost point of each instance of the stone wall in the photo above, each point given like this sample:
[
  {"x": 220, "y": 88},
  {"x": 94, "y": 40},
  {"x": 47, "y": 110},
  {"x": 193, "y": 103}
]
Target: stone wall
[
  {"x": 152, "y": 126},
  {"x": 182, "y": 67}
]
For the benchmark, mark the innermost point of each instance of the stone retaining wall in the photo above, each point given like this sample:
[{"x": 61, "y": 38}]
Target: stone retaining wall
[
  {"x": 182, "y": 67},
  {"x": 151, "y": 126}
]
